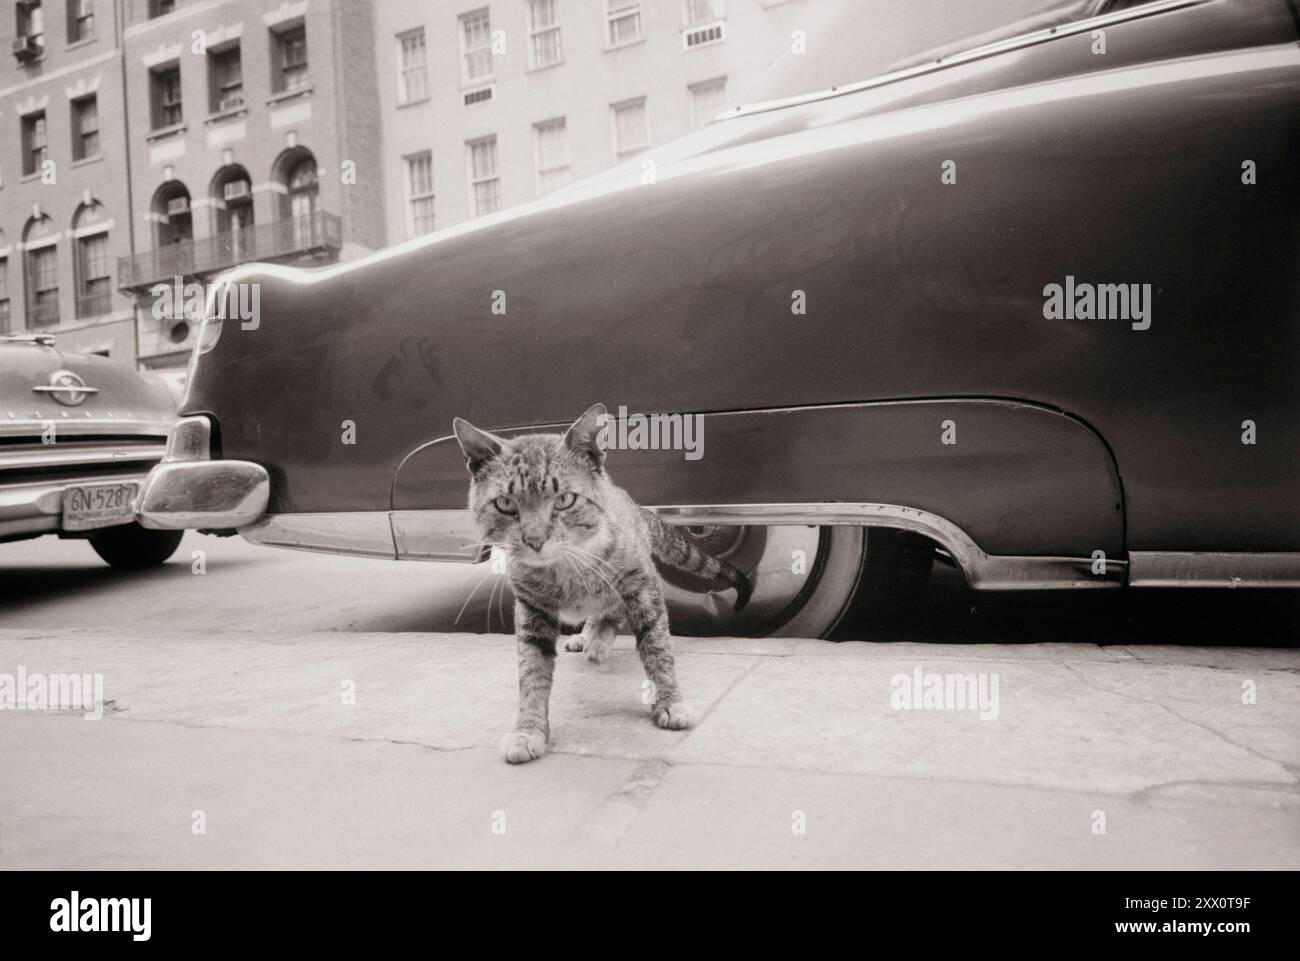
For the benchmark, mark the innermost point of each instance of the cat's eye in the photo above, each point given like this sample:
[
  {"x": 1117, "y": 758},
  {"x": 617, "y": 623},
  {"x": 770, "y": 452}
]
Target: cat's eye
[
  {"x": 566, "y": 500},
  {"x": 506, "y": 505}
]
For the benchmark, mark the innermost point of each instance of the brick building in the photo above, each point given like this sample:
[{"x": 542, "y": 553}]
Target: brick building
[
  {"x": 65, "y": 210},
  {"x": 254, "y": 132}
]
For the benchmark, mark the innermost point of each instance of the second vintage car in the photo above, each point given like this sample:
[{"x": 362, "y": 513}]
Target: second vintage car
[{"x": 78, "y": 435}]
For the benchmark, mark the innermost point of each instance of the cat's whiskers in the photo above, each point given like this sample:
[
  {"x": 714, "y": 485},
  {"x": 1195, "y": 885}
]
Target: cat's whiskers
[
  {"x": 597, "y": 564},
  {"x": 491, "y": 594},
  {"x": 569, "y": 552},
  {"x": 461, "y": 612}
]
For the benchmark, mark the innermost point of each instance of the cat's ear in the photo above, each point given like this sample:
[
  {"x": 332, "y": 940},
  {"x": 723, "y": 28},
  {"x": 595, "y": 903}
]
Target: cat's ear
[
  {"x": 478, "y": 446},
  {"x": 585, "y": 435}
]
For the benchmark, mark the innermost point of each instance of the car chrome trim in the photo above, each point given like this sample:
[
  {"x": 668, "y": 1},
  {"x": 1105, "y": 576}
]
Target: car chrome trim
[
  {"x": 1211, "y": 569},
  {"x": 209, "y": 495},
  {"x": 450, "y": 535},
  {"x": 83, "y": 423},
  {"x": 37, "y": 507},
  {"x": 57, "y": 455},
  {"x": 432, "y": 535},
  {"x": 189, "y": 440},
  {"x": 1034, "y": 38},
  {"x": 362, "y": 533},
  {"x": 984, "y": 572}
]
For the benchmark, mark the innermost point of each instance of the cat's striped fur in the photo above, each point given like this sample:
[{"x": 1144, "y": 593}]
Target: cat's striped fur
[{"x": 580, "y": 551}]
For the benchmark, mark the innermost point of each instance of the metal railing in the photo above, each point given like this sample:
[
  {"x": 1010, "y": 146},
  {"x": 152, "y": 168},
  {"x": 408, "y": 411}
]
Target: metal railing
[{"x": 316, "y": 232}]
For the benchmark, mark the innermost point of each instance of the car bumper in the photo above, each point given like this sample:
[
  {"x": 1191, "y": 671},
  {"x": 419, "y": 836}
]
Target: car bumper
[
  {"x": 206, "y": 495},
  {"x": 29, "y": 509}
]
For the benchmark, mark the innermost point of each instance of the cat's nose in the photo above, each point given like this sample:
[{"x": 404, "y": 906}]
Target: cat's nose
[{"x": 535, "y": 544}]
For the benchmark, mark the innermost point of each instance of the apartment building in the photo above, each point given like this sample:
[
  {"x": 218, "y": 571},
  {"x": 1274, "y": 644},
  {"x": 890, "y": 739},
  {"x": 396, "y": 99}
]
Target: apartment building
[
  {"x": 491, "y": 103},
  {"x": 65, "y": 211},
  {"x": 254, "y": 135}
]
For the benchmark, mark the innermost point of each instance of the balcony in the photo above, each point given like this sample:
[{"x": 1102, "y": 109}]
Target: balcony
[{"x": 319, "y": 234}]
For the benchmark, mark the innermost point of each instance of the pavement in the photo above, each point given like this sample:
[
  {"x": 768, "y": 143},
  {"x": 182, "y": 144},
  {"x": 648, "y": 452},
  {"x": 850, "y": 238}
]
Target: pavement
[{"x": 289, "y": 710}]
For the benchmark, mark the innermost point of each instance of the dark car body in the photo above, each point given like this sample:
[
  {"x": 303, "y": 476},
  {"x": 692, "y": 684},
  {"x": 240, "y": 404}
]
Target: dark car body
[{"x": 924, "y": 388}]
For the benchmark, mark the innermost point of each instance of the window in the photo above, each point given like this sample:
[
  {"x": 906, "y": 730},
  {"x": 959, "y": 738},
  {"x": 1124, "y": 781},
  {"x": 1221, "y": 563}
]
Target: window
[
  {"x": 35, "y": 143},
  {"x": 85, "y": 128},
  {"x": 631, "y": 131},
  {"x": 160, "y": 8},
  {"x": 419, "y": 194},
  {"x": 173, "y": 221},
  {"x": 623, "y": 21},
  {"x": 4, "y": 295},
  {"x": 476, "y": 45},
  {"x": 166, "y": 94},
  {"x": 43, "y": 285},
  {"x": 232, "y": 196},
  {"x": 552, "y": 155},
  {"x": 484, "y": 183},
  {"x": 708, "y": 99},
  {"x": 412, "y": 67},
  {"x": 696, "y": 12},
  {"x": 225, "y": 79},
  {"x": 544, "y": 46},
  {"x": 291, "y": 60},
  {"x": 81, "y": 20},
  {"x": 95, "y": 294},
  {"x": 31, "y": 24}
]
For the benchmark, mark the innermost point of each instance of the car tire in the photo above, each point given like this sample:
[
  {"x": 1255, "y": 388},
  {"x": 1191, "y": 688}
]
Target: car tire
[
  {"x": 895, "y": 579},
  {"x": 132, "y": 547}
]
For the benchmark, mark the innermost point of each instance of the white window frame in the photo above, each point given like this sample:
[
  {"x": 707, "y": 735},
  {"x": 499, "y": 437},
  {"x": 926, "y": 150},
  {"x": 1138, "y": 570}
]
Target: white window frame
[
  {"x": 465, "y": 51},
  {"x": 566, "y": 166},
  {"x": 622, "y": 14},
  {"x": 719, "y": 6},
  {"x": 698, "y": 122},
  {"x": 475, "y": 181},
  {"x": 412, "y": 198},
  {"x": 404, "y": 69},
  {"x": 614, "y": 108},
  {"x": 534, "y": 32}
]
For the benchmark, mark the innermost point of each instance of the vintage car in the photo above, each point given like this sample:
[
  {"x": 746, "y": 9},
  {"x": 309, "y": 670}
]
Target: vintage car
[
  {"x": 78, "y": 435},
  {"x": 1030, "y": 305}
]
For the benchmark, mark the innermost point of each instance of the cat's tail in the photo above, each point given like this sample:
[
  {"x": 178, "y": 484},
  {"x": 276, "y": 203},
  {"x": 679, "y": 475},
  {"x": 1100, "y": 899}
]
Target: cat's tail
[{"x": 670, "y": 547}]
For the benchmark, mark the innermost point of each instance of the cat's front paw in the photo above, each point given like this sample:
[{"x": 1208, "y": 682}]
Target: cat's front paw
[
  {"x": 575, "y": 643},
  {"x": 674, "y": 717},
  {"x": 520, "y": 747}
]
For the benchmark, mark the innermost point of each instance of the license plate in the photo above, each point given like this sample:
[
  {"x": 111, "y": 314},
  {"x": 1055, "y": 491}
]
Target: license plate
[{"x": 93, "y": 506}]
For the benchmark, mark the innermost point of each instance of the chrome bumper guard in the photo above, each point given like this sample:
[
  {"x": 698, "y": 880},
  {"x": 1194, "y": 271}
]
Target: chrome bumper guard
[{"x": 188, "y": 491}]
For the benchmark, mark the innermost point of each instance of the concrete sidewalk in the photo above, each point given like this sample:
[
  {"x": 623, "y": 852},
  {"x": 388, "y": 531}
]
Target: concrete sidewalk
[{"x": 799, "y": 759}]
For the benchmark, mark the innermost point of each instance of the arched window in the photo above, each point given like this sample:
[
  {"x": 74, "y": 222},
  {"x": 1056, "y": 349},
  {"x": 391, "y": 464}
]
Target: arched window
[
  {"x": 303, "y": 189},
  {"x": 173, "y": 223},
  {"x": 232, "y": 198},
  {"x": 93, "y": 266},
  {"x": 294, "y": 173},
  {"x": 40, "y": 243}
]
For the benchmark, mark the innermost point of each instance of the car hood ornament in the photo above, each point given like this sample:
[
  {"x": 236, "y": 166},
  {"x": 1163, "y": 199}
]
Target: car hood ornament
[{"x": 67, "y": 388}]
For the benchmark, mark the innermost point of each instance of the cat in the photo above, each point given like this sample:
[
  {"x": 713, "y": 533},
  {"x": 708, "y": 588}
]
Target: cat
[{"x": 580, "y": 551}]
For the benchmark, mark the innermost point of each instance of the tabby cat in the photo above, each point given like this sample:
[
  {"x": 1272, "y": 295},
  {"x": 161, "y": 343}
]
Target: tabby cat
[{"x": 580, "y": 551}]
